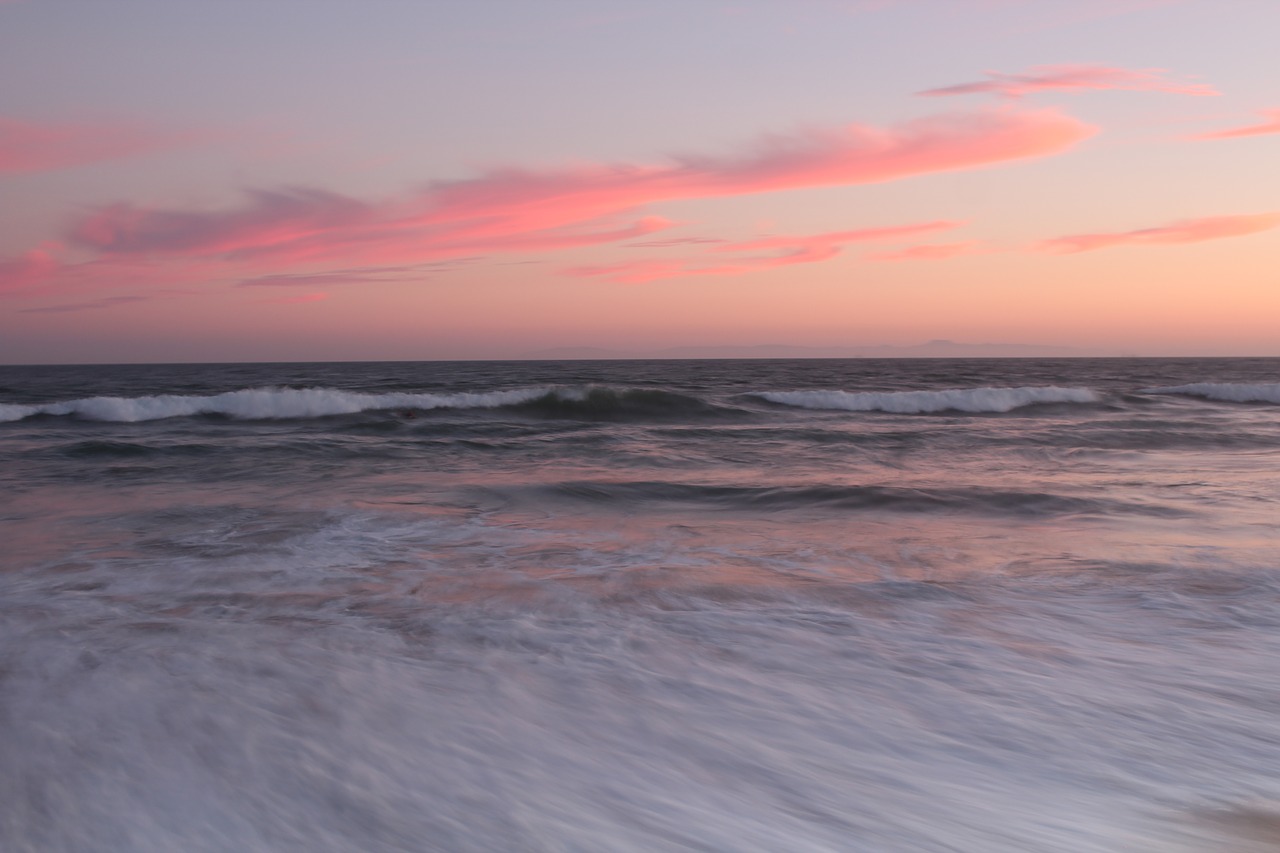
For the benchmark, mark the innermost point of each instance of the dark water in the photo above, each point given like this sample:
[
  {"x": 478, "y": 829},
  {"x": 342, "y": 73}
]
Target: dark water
[{"x": 978, "y": 605}]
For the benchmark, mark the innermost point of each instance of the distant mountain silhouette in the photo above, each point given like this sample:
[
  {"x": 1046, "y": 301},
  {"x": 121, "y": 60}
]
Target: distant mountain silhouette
[{"x": 931, "y": 349}]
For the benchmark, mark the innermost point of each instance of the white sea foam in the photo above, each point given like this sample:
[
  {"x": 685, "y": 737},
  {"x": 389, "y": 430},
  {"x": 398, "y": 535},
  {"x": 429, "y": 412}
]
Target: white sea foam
[
  {"x": 1231, "y": 392},
  {"x": 266, "y": 403},
  {"x": 10, "y": 412},
  {"x": 918, "y": 402},
  {"x": 369, "y": 680}
]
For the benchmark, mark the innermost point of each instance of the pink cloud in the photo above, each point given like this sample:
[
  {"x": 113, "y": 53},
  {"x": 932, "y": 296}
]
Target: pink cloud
[
  {"x": 537, "y": 210},
  {"x": 295, "y": 300},
  {"x": 316, "y": 280},
  {"x": 815, "y": 247},
  {"x": 291, "y": 226},
  {"x": 110, "y": 271},
  {"x": 674, "y": 241},
  {"x": 1271, "y": 125},
  {"x": 639, "y": 272},
  {"x": 1183, "y": 231},
  {"x": 302, "y": 231},
  {"x": 40, "y": 147},
  {"x": 359, "y": 275},
  {"x": 269, "y": 218},
  {"x": 784, "y": 251},
  {"x": 855, "y": 154},
  {"x": 86, "y": 306},
  {"x": 929, "y": 252},
  {"x": 1073, "y": 78},
  {"x": 30, "y": 269}
]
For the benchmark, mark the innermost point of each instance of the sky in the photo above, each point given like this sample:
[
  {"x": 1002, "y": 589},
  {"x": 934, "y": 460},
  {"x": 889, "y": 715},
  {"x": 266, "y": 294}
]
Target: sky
[{"x": 316, "y": 180}]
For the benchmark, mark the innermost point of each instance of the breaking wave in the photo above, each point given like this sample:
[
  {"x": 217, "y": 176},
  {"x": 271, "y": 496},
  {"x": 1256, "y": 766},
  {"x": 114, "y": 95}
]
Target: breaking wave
[
  {"x": 579, "y": 402},
  {"x": 921, "y": 402},
  {"x": 1230, "y": 392},
  {"x": 604, "y": 403},
  {"x": 265, "y": 404}
]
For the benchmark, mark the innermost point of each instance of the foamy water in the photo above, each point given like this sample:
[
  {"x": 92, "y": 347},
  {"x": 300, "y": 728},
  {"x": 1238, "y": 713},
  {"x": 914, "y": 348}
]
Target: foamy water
[{"x": 929, "y": 606}]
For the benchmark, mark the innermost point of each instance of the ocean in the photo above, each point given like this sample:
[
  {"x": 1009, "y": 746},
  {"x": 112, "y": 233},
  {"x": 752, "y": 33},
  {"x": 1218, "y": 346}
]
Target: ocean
[{"x": 812, "y": 605}]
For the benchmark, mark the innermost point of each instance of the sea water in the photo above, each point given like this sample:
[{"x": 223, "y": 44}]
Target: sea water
[{"x": 855, "y": 605}]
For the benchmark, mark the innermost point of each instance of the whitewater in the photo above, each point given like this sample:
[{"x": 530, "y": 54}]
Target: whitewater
[{"x": 825, "y": 605}]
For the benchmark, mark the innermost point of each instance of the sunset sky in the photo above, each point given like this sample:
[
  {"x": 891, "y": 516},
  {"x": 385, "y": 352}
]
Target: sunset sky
[{"x": 245, "y": 180}]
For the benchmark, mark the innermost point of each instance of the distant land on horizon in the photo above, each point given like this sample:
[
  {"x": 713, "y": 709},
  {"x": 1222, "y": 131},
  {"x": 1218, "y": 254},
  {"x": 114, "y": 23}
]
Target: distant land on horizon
[{"x": 931, "y": 349}]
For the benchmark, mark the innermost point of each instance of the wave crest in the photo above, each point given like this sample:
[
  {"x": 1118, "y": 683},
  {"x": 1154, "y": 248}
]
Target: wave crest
[
  {"x": 580, "y": 402},
  {"x": 922, "y": 402},
  {"x": 266, "y": 404},
  {"x": 594, "y": 402}
]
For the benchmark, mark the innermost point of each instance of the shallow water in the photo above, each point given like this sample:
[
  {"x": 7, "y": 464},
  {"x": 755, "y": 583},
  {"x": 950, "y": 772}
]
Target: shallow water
[{"x": 613, "y": 606}]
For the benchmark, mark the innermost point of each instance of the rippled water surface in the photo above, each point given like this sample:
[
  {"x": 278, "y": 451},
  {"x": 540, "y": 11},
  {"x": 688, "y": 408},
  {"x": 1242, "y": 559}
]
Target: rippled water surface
[{"x": 638, "y": 606}]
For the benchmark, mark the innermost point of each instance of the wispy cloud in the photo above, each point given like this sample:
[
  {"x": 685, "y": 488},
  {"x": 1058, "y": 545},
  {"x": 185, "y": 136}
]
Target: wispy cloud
[
  {"x": 359, "y": 275},
  {"x": 295, "y": 300},
  {"x": 1182, "y": 231},
  {"x": 854, "y": 154},
  {"x": 674, "y": 241},
  {"x": 536, "y": 210},
  {"x": 1271, "y": 125},
  {"x": 818, "y": 247},
  {"x": 1073, "y": 78},
  {"x": 276, "y": 235},
  {"x": 316, "y": 280},
  {"x": 27, "y": 146},
  {"x": 782, "y": 251},
  {"x": 300, "y": 225},
  {"x": 108, "y": 302},
  {"x": 929, "y": 252},
  {"x": 31, "y": 268}
]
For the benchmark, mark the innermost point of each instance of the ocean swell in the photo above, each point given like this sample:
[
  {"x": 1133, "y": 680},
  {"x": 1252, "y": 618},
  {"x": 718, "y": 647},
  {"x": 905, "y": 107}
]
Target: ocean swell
[
  {"x": 1008, "y": 503},
  {"x": 1229, "y": 392},
  {"x": 265, "y": 404},
  {"x": 602, "y": 403},
  {"x": 922, "y": 402},
  {"x": 589, "y": 402}
]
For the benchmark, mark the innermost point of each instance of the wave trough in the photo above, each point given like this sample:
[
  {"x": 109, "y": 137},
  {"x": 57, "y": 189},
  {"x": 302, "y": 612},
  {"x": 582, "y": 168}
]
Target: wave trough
[
  {"x": 1228, "y": 392},
  {"x": 922, "y": 402}
]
